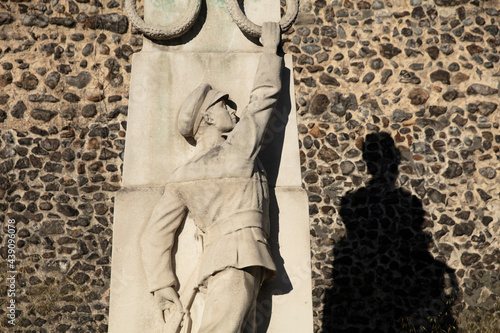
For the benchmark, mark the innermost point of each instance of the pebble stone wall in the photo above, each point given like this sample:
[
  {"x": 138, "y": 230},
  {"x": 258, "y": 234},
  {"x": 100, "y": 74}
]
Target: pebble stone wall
[
  {"x": 425, "y": 73},
  {"x": 378, "y": 83},
  {"x": 64, "y": 81}
]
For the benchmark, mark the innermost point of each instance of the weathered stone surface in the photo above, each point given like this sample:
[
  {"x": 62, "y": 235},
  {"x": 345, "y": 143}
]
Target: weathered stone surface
[
  {"x": 488, "y": 172},
  {"x": 5, "y": 79},
  {"x": 389, "y": 50},
  {"x": 347, "y": 167},
  {"x": 451, "y": 95},
  {"x": 448, "y": 39},
  {"x": 107, "y": 154},
  {"x": 5, "y": 18},
  {"x": 39, "y": 98},
  {"x": 418, "y": 13},
  {"x": 327, "y": 154},
  {"x": 436, "y": 196},
  {"x": 484, "y": 196},
  {"x": 89, "y": 110},
  {"x": 319, "y": 104},
  {"x": 399, "y": 116},
  {"x": 305, "y": 18},
  {"x": 68, "y": 155},
  {"x": 80, "y": 81},
  {"x": 7, "y": 152},
  {"x": 463, "y": 229},
  {"x": 450, "y": 3},
  {"x": 459, "y": 78},
  {"x": 311, "y": 48},
  {"x": 492, "y": 29},
  {"x": 484, "y": 108},
  {"x": 341, "y": 103},
  {"x": 6, "y": 166},
  {"x": 28, "y": 81},
  {"x": 329, "y": 31},
  {"x": 18, "y": 110},
  {"x": 77, "y": 37},
  {"x": 112, "y": 22},
  {"x": 481, "y": 89},
  {"x": 376, "y": 64},
  {"x": 4, "y": 98},
  {"x": 110, "y": 187},
  {"x": 103, "y": 132},
  {"x": 366, "y": 52},
  {"x": 64, "y": 69},
  {"x": 71, "y": 97},
  {"x": 386, "y": 74},
  {"x": 305, "y": 60},
  {"x": 418, "y": 96},
  {"x": 42, "y": 114},
  {"x": 409, "y": 77},
  {"x": 439, "y": 146},
  {"x": 474, "y": 49},
  {"x": 437, "y": 110},
  {"x": 67, "y": 22},
  {"x": 35, "y": 20},
  {"x": 469, "y": 259},
  {"x": 52, "y": 79},
  {"x": 67, "y": 210},
  {"x": 440, "y": 75},
  {"x": 52, "y": 228},
  {"x": 401, "y": 14},
  {"x": 468, "y": 37},
  {"x": 454, "y": 170},
  {"x": 328, "y": 80},
  {"x": 88, "y": 49},
  {"x": 53, "y": 167},
  {"x": 433, "y": 52},
  {"x": 50, "y": 144},
  {"x": 368, "y": 78}
]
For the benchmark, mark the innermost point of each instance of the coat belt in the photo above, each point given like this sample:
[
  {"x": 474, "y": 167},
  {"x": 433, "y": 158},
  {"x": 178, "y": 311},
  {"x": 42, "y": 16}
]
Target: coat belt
[{"x": 230, "y": 224}]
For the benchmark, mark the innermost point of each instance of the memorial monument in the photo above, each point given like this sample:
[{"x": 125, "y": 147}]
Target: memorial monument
[{"x": 211, "y": 206}]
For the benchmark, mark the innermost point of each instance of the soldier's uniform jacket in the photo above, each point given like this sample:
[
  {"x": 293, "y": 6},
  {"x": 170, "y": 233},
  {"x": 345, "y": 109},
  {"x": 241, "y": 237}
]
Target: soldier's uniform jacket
[{"x": 226, "y": 192}]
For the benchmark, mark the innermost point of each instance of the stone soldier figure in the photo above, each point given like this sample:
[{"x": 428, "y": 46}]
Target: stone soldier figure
[{"x": 225, "y": 190}]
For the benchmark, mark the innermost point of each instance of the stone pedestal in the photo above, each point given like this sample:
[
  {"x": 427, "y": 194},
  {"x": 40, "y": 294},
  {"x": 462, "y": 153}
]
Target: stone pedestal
[{"x": 215, "y": 51}]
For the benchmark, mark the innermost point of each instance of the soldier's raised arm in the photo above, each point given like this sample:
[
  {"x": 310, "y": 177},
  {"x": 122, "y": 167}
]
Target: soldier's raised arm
[
  {"x": 271, "y": 36},
  {"x": 247, "y": 135}
]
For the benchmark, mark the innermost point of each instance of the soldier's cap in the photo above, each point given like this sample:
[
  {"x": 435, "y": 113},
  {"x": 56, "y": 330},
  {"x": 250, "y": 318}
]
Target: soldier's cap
[{"x": 194, "y": 107}]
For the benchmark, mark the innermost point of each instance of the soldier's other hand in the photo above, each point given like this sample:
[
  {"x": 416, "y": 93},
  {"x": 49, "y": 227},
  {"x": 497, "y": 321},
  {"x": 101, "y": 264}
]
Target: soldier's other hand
[
  {"x": 167, "y": 297},
  {"x": 271, "y": 35}
]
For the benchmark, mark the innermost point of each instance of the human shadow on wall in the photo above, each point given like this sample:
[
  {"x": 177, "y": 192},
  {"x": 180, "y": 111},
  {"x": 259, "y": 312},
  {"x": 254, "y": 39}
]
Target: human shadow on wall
[{"x": 384, "y": 278}]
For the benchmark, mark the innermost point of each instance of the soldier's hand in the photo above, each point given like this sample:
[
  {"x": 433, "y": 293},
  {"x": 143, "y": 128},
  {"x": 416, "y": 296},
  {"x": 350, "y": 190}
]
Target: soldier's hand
[
  {"x": 271, "y": 35},
  {"x": 167, "y": 297}
]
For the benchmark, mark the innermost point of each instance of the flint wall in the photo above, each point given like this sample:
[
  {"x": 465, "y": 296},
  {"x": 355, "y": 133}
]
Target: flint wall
[{"x": 425, "y": 72}]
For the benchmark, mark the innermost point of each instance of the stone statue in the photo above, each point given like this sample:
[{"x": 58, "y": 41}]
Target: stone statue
[{"x": 224, "y": 188}]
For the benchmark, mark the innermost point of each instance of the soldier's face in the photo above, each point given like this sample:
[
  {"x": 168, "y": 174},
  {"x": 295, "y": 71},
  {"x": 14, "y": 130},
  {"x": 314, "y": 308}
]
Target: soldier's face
[{"x": 222, "y": 116}]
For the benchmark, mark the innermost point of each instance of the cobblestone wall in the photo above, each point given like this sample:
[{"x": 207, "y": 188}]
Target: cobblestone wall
[
  {"x": 395, "y": 256},
  {"x": 404, "y": 222},
  {"x": 63, "y": 104}
]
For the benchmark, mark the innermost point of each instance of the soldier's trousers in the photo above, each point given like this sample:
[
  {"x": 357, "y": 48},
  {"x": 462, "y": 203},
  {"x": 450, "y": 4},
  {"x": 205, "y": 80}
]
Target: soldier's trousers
[{"x": 230, "y": 299}]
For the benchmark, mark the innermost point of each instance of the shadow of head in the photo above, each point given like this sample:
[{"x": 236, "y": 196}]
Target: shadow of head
[{"x": 381, "y": 156}]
